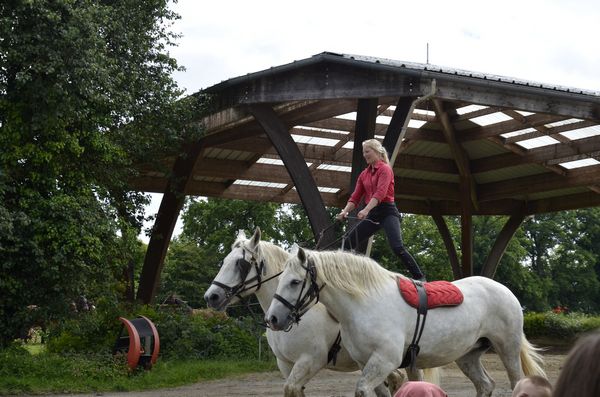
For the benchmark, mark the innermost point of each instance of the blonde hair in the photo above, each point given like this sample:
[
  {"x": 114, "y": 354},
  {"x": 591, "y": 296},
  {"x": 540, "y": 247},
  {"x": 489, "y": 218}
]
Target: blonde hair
[{"x": 375, "y": 145}]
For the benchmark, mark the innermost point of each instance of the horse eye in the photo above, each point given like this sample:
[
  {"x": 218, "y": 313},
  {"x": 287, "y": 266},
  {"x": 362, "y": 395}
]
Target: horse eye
[{"x": 295, "y": 282}]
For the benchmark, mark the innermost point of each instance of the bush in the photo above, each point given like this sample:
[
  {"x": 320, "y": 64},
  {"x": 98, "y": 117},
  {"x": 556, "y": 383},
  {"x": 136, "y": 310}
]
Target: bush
[
  {"x": 182, "y": 335},
  {"x": 565, "y": 327}
]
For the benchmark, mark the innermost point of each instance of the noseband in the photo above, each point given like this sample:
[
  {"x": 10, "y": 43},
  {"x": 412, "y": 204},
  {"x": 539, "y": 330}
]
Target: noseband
[
  {"x": 312, "y": 293},
  {"x": 244, "y": 267}
]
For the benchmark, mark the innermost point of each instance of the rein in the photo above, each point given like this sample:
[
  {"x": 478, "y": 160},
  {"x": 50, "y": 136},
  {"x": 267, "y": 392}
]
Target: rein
[
  {"x": 344, "y": 235},
  {"x": 244, "y": 268},
  {"x": 303, "y": 302}
]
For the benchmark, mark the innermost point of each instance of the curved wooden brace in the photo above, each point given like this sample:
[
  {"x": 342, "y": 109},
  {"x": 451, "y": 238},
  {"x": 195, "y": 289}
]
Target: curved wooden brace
[
  {"x": 497, "y": 251},
  {"x": 295, "y": 164}
]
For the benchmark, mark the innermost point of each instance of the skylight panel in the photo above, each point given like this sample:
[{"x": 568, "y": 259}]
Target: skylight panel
[
  {"x": 328, "y": 189},
  {"x": 349, "y": 145},
  {"x": 581, "y": 133},
  {"x": 245, "y": 182},
  {"x": 537, "y": 142},
  {"x": 579, "y": 163},
  {"x": 332, "y": 167},
  {"x": 412, "y": 123},
  {"x": 347, "y": 116},
  {"x": 425, "y": 112},
  {"x": 524, "y": 113},
  {"x": 490, "y": 119},
  {"x": 562, "y": 122},
  {"x": 517, "y": 133},
  {"x": 305, "y": 127},
  {"x": 264, "y": 160},
  {"x": 469, "y": 109},
  {"x": 314, "y": 140},
  {"x": 383, "y": 120}
]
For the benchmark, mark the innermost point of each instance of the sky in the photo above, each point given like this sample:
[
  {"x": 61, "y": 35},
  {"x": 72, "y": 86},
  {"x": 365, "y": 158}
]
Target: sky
[{"x": 553, "y": 42}]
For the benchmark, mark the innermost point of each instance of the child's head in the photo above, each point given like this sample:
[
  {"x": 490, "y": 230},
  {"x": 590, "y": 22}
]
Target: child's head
[{"x": 533, "y": 386}]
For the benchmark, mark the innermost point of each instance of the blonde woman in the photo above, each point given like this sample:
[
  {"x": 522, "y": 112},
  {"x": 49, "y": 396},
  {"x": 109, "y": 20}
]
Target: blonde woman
[{"x": 375, "y": 185}]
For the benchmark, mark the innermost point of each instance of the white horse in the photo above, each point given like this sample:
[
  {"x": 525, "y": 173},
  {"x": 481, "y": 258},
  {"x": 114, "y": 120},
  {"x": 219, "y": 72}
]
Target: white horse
[
  {"x": 253, "y": 266},
  {"x": 377, "y": 324}
]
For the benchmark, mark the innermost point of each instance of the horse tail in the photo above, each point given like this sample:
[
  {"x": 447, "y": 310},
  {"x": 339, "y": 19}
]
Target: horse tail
[
  {"x": 432, "y": 375},
  {"x": 531, "y": 359}
]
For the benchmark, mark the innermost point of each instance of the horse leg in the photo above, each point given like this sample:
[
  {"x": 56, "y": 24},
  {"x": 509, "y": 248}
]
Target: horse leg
[
  {"x": 373, "y": 374},
  {"x": 394, "y": 380},
  {"x": 470, "y": 365},
  {"x": 509, "y": 352},
  {"x": 303, "y": 370}
]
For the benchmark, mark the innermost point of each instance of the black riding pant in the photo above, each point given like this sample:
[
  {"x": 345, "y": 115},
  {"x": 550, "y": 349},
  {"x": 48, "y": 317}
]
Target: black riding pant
[{"x": 387, "y": 217}]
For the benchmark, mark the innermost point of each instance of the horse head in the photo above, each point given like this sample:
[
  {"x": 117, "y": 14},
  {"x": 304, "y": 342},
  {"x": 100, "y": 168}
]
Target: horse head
[
  {"x": 296, "y": 293},
  {"x": 240, "y": 273}
]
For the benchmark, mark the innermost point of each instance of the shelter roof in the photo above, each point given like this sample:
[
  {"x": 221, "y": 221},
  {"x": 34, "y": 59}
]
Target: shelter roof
[{"x": 515, "y": 144}]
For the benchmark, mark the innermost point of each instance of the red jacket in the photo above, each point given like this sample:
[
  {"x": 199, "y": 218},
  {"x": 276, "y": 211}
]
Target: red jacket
[{"x": 377, "y": 181}]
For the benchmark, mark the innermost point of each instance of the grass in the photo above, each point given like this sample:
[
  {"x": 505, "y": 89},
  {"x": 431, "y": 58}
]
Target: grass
[{"x": 43, "y": 373}]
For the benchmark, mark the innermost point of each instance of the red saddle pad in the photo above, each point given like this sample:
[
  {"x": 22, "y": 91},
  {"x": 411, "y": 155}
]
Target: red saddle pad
[{"x": 439, "y": 293}]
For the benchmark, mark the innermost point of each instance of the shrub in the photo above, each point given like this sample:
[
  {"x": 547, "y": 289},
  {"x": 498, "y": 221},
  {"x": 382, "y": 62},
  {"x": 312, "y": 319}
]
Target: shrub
[{"x": 561, "y": 326}]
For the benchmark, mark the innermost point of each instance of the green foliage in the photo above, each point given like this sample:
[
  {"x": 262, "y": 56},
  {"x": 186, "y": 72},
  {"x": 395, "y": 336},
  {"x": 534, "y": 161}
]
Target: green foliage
[
  {"x": 50, "y": 373},
  {"x": 86, "y": 93},
  {"x": 560, "y": 326}
]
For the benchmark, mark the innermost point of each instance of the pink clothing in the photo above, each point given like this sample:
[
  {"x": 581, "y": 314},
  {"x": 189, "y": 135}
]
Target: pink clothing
[
  {"x": 377, "y": 180},
  {"x": 420, "y": 389}
]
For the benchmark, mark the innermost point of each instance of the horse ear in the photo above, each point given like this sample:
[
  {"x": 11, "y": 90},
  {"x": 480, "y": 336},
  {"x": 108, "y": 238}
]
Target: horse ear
[
  {"x": 301, "y": 255},
  {"x": 241, "y": 234},
  {"x": 256, "y": 237}
]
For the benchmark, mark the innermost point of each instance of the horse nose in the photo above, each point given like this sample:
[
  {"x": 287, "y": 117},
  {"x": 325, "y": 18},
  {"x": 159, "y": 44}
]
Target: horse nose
[
  {"x": 272, "y": 321},
  {"x": 211, "y": 298}
]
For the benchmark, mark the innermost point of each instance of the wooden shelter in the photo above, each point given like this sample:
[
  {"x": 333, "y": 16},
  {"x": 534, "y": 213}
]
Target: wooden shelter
[{"x": 461, "y": 143}]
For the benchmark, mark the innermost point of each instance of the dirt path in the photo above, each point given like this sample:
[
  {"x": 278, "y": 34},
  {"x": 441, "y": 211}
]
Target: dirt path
[{"x": 334, "y": 384}]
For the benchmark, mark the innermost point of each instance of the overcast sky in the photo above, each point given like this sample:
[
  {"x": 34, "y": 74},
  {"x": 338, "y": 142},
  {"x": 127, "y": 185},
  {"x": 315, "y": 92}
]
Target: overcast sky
[{"x": 554, "y": 42}]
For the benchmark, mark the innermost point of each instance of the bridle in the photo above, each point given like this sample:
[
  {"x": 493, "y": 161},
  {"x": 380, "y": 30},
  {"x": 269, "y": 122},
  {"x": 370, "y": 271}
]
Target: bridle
[
  {"x": 303, "y": 302},
  {"x": 244, "y": 268}
]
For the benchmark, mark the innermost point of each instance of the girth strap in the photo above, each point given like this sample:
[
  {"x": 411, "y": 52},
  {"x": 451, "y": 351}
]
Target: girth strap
[
  {"x": 412, "y": 352},
  {"x": 335, "y": 348}
]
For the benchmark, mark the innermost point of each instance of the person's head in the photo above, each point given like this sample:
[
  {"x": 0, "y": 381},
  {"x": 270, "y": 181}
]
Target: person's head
[
  {"x": 533, "y": 386},
  {"x": 420, "y": 389},
  {"x": 580, "y": 373},
  {"x": 374, "y": 151}
]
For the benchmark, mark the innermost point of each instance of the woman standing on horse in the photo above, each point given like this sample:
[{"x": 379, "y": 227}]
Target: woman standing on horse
[{"x": 376, "y": 185}]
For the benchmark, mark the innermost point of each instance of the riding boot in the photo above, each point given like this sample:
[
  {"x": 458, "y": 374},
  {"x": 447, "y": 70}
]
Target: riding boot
[{"x": 411, "y": 265}]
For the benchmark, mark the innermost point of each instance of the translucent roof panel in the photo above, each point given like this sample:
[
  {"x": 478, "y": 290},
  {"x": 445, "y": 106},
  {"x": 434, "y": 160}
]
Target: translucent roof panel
[
  {"x": 332, "y": 167},
  {"x": 579, "y": 163},
  {"x": 582, "y": 132},
  {"x": 383, "y": 119},
  {"x": 490, "y": 119},
  {"x": 562, "y": 122},
  {"x": 259, "y": 183},
  {"x": 469, "y": 109},
  {"x": 537, "y": 142},
  {"x": 517, "y": 133},
  {"x": 524, "y": 113},
  {"x": 314, "y": 140},
  {"x": 304, "y": 127},
  {"x": 347, "y": 116},
  {"x": 412, "y": 123},
  {"x": 264, "y": 160},
  {"x": 425, "y": 112}
]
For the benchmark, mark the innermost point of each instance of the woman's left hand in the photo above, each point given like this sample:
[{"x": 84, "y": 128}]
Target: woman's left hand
[{"x": 362, "y": 214}]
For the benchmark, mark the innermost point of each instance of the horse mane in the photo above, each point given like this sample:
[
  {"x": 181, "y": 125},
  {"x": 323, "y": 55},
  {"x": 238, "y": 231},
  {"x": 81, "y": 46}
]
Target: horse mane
[
  {"x": 357, "y": 275},
  {"x": 273, "y": 255}
]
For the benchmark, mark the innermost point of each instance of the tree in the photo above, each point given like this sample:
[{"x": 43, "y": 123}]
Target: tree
[{"x": 85, "y": 94}]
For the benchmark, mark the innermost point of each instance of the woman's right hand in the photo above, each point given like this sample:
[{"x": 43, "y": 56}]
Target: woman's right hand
[{"x": 342, "y": 215}]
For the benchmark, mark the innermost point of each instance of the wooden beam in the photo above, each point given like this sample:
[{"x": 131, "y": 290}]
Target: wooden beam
[
  {"x": 448, "y": 243},
  {"x": 296, "y": 166},
  {"x": 497, "y": 251},
  {"x": 397, "y": 127},
  {"x": 170, "y": 206},
  {"x": 466, "y": 247},
  {"x": 459, "y": 155},
  {"x": 521, "y": 187}
]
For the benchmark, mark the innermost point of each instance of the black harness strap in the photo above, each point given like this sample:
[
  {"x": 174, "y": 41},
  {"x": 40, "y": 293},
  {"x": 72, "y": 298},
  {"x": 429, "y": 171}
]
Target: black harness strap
[
  {"x": 412, "y": 352},
  {"x": 335, "y": 349}
]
